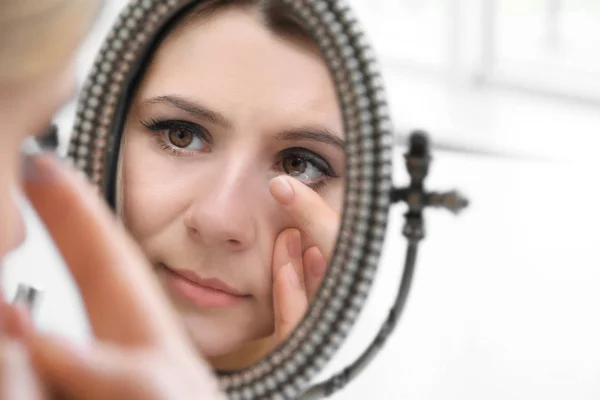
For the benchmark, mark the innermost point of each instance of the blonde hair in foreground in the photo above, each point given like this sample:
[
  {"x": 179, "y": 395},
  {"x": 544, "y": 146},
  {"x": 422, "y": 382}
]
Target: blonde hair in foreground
[{"x": 38, "y": 36}]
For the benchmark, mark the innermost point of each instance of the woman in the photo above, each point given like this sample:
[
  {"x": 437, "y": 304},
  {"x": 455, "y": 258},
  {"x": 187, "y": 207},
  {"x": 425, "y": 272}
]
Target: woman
[
  {"x": 236, "y": 109},
  {"x": 137, "y": 353}
]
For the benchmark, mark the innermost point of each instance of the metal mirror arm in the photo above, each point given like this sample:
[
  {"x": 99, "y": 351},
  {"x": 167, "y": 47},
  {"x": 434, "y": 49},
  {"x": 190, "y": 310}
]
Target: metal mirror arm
[{"x": 417, "y": 161}]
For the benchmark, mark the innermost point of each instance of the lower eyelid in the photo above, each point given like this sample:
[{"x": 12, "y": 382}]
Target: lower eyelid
[{"x": 323, "y": 166}]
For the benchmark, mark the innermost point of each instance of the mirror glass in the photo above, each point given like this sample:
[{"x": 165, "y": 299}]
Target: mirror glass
[{"x": 231, "y": 174}]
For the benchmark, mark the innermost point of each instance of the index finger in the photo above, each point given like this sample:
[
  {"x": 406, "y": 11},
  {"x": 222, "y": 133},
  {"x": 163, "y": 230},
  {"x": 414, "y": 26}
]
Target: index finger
[
  {"x": 123, "y": 301},
  {"x": 18, "y": 378},
  {"x": 313, "y": 215}
]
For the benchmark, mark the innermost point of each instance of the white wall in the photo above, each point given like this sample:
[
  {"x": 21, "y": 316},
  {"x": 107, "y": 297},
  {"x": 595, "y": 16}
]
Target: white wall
[{"x": 505, "y": 300}]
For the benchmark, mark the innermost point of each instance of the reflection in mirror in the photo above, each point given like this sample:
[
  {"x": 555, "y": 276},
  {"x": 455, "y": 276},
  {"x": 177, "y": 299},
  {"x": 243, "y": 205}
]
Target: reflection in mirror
[{"x": 231, "y": 174}]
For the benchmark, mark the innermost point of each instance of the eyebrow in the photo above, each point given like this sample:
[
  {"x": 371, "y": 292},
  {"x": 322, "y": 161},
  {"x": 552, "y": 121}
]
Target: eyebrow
[
  {"x": 315, "y": 134},
  {"x": 191, "y": 108},
  {"x": 319, "y": 134}
]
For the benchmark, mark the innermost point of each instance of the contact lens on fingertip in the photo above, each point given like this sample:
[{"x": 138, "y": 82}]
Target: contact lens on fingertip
[
  {"x": 49, "y": 140},
  {"x": 43, "y": 143},
  {"x": 32, "y": 170},
  {"x": 30, "y": 147}
]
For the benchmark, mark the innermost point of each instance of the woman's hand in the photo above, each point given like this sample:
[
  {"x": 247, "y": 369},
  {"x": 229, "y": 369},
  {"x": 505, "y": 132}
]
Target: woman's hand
[
  {"x": 18, "y": 378},
  {"x": 140, "y": 349},
  {"x": 297, "y": 275}
]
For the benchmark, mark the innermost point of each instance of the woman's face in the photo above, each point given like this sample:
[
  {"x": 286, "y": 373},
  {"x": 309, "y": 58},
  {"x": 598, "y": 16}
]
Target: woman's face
[{"x": 226, "y": 106}]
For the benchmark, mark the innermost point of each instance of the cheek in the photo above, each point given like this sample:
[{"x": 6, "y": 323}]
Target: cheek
[
  {"x": 334, "y": 196},
  {"x": 151, "y": 197}
]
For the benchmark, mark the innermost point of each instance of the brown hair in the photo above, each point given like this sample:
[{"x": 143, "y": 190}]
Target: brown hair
[{"x": 274, "y": 15}]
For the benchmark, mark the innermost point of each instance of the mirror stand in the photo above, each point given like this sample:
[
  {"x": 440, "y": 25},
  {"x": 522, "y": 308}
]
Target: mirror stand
[{"x": 417, "y": 161}]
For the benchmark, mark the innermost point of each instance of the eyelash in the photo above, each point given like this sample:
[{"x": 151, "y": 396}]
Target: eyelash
[
  {"x": 158, "y": 129},
  {"x": 317, "y": 161}
]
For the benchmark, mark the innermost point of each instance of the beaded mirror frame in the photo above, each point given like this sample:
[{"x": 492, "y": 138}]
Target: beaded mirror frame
[{"x": 94, "y": 149}]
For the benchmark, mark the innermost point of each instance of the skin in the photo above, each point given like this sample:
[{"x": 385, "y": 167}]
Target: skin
[
  {"x": 139, "y": 350},
  {"x": 16, "y": 123},
  {"x": 211, "y": 206},
  {"x": 26, "y": 108}
]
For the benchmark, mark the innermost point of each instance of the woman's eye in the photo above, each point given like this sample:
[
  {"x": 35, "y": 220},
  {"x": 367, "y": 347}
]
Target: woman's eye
[
  {"x": 300, "y": 168},
  {"x": 179, "y": 138},
  {"x": 184, "y": 139}
]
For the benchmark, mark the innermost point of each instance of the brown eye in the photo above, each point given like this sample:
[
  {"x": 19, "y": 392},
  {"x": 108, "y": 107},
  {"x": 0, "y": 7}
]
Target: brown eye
[
  {"x": 180, "y": 138},
  {"x": 301, "y": 168},
  {"x": 294, "y": 165}
]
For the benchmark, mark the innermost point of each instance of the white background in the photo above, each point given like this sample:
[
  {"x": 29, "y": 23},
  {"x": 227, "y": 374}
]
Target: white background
[{"x": 505, "y": 299}]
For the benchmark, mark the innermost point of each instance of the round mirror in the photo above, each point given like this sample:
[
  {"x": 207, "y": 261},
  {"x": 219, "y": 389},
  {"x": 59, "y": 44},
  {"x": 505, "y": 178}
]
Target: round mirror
[{"x": 245, "y": 145}]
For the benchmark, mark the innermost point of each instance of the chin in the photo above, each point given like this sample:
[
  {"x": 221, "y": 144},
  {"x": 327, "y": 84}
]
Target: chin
[
  {"x": 244, "y": 356},
  {"x": 214, "y": 346},
  {"x": 226, "y": 336},
  {"x": 214, "y": 337}
]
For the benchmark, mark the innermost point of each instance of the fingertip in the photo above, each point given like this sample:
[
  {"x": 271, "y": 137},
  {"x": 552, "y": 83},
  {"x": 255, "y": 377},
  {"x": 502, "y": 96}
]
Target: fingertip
[
  {"x": 40, "y": 168},
  {"x": 281, "y": 190},
  {"x": 316, "y": 267},
  {"x": 17, "y": 322},
  {"x": 315, "y": 262}
]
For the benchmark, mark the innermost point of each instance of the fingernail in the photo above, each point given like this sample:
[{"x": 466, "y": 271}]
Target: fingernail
[
  {"x": 282, "y": 190},
  {"x": 294, "y": 245},
  {"x": 318, "y": 269},
  {"x": 38, "y": 169},
  {"x": 292, "y": 275},
  {"x": 38, "y": 164}
]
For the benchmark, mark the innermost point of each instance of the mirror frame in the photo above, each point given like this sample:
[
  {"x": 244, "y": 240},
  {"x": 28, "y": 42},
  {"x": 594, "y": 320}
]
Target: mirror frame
[{"x": 94, "y": 149}]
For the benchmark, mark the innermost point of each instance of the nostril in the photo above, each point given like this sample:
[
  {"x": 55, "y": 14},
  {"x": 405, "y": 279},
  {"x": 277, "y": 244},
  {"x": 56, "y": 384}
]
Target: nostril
[
  {"x": 213, "y": 229},
  {"x": 235, "y": 242},
  {"x": 193, "y": 232}
]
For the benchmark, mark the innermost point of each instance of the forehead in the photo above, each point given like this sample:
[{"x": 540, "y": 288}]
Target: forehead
[{"x": 240, "y": 68}]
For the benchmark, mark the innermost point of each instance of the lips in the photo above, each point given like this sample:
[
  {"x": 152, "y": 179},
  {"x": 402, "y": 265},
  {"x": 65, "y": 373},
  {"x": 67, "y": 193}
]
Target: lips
[{"x": 204, "y": 293}]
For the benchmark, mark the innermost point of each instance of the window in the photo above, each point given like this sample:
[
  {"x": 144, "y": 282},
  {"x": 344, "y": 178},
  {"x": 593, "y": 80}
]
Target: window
[
  {"x": 407, "y": 31},
  {"x": 551, "y": 46}
]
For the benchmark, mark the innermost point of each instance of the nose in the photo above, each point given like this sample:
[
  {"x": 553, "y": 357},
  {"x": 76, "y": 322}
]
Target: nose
[{"x": 220, "y": 215}]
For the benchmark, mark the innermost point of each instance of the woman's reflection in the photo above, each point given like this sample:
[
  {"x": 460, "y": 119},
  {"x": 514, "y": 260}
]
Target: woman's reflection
[{"x": 235, "y": 96}]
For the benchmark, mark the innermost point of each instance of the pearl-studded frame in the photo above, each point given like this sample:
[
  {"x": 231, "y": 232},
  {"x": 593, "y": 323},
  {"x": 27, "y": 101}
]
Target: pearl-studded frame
[{"x": 94, "y": 149}]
